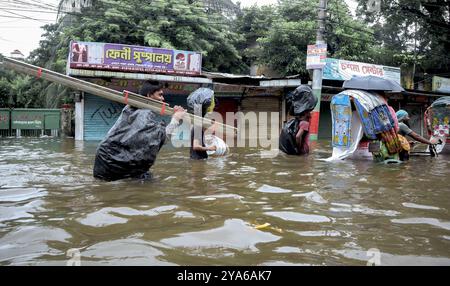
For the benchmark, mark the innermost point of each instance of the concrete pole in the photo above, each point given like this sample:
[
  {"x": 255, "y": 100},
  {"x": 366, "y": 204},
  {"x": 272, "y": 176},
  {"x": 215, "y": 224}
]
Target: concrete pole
[
  {"x": 66, "y": 121},
  {"x": 317, "y": 74}
]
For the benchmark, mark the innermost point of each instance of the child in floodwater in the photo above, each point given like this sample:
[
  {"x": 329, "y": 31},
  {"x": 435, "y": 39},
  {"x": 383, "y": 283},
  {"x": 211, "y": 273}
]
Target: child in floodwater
[
  {"x": 302, "y": 136},
  {"x": 294, "y": 137},
  {"x": 198, "y": 150},
  {"x": 201, "y": 102},
  {"x": 132, "y": 144}
]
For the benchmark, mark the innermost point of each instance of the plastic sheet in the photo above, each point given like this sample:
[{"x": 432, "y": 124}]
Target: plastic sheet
[
  {"x": 200, "y": 100},
  {"x": 131, "y": 146},
  {"x": 287, "y": 142},
  {"x": 301, "y": 100}
]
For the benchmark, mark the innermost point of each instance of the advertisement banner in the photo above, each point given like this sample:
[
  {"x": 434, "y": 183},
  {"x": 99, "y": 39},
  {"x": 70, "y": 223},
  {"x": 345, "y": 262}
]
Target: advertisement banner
[
  {"x": 441, "y": 84},
  {"x": 126, "y": 58},
  {"x": 344, "y": 70},
  {"x": 316, "y": 55},
  {"x": 27, "y": 119}
]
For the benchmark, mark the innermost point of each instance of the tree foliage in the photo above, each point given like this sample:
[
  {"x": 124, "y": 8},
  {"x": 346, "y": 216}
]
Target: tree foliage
[
  {"x": 179, "y": 24},
  {"x": 231, "y": 39},
  {"x": 411, "y": 31},
  {"x": 253, "y": 23},
  {"x": 283, "y": 32},
  {"x": 19, "y": 91}
]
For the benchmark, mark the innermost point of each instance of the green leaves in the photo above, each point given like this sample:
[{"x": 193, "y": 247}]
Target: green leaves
[
  {"x": 411, "y": 32},
  {"x": 277, "y": 36},
  {"x": 233, "y": 40}
]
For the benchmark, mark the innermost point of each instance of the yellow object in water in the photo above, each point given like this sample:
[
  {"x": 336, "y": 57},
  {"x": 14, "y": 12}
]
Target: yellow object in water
[
  {"x": 261, "y": 226},
  {"x": 268, "y": 225},
  {"x": 277, "y": 229}
]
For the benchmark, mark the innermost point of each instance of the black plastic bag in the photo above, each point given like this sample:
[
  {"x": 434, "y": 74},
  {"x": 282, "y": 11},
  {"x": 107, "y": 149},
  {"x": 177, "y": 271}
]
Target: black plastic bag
[
  {"x": 287, "y": 142},
  {"x": 200, "y": 99},
  {"x": 131, "y": 145},
  {"x": 301, "y": 100}
]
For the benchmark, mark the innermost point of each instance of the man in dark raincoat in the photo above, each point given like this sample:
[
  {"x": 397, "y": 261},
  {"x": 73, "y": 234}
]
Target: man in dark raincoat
[{"x": 132, "y": 144}]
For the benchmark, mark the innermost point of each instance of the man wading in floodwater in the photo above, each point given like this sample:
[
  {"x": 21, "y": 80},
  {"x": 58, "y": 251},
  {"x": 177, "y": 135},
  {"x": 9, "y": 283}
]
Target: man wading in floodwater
[
  {"x": 132, "y": 144},
  {"x": 405, "y": 130}
]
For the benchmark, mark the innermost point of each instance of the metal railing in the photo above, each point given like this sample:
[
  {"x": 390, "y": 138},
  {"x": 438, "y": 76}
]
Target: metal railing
[{"x": 20, "y": 133}]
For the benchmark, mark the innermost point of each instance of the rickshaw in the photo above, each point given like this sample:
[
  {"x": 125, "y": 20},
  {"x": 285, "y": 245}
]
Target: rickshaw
[
  {"x": 437, "y": 118},
  {"x": 363, "y": 127}
]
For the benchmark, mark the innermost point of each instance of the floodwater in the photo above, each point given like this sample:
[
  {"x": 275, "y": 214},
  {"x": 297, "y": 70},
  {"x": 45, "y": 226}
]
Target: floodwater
[{"x": 217, "y": 212}]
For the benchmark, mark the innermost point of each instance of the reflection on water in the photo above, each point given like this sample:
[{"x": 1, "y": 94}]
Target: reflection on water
[{"x": 238, "y": 210}]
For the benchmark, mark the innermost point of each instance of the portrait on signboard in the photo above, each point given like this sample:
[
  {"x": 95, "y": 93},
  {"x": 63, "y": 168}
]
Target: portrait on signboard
[
  {"x": 195, "y": 62},
  {"x": 79, "y": 53},
  {"x": 180, "y": 61}
]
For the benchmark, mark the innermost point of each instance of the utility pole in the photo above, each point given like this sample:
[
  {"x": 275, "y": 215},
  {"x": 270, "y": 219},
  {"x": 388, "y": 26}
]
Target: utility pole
[
  {"x": 415, "y": 56},
  {"x": 317, "y": 73}
]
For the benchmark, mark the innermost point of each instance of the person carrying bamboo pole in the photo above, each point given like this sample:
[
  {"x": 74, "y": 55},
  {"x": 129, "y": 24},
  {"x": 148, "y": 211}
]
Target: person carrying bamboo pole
[{"x": 132, "y": 144}]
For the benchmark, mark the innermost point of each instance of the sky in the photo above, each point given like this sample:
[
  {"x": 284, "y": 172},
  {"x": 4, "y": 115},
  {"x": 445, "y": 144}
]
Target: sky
[{"x": 25, "y": 34}]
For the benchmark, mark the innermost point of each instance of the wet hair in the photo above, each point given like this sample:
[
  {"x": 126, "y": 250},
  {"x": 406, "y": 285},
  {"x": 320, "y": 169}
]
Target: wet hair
[
  {"x": 304, "y": 115},
  {"x": 150, "y": 87}
]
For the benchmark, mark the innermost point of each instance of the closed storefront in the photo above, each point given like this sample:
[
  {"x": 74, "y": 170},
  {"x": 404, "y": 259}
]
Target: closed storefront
[
  {"x": 416, "y": 114},
  {"x": 226, "y": 104},
  {"x": 325, "y": 122},
  {"x": 262, "y": 106},
  {"x": 99, "y": 116}
]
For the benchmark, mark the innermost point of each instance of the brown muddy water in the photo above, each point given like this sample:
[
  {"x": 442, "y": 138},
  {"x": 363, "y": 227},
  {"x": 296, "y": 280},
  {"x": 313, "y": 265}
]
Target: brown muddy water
[{"x": 205, "y": 212}]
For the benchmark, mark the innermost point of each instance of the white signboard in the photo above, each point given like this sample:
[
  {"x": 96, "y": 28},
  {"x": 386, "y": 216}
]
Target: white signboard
[
  {"x": 316, "y": 56},
  {"x": 441, "y": 84},
  {"x": 344, "y": 70}
]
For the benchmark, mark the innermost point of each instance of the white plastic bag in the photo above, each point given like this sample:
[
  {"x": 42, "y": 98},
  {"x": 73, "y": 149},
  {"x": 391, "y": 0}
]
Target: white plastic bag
[{"x": 221, "y": 147}]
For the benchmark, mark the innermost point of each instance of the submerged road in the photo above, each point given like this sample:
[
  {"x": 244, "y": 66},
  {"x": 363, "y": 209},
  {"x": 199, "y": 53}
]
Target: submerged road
[{"x": 205, "y": 212}]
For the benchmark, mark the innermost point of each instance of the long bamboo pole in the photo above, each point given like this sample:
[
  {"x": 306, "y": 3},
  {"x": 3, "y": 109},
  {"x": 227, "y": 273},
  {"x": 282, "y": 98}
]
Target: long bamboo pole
[{"x": 133, "y": 99}]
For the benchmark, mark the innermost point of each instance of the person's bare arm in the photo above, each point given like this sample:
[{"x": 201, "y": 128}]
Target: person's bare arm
[
  {"x": 419, "y": 138},
  {"x": 299, "y": 138},
  {"x": 198, "y": 147}
]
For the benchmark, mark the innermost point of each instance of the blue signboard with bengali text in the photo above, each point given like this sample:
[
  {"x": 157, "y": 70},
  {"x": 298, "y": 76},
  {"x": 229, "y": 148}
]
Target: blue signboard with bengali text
[{"x": 336, "y": 69}]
